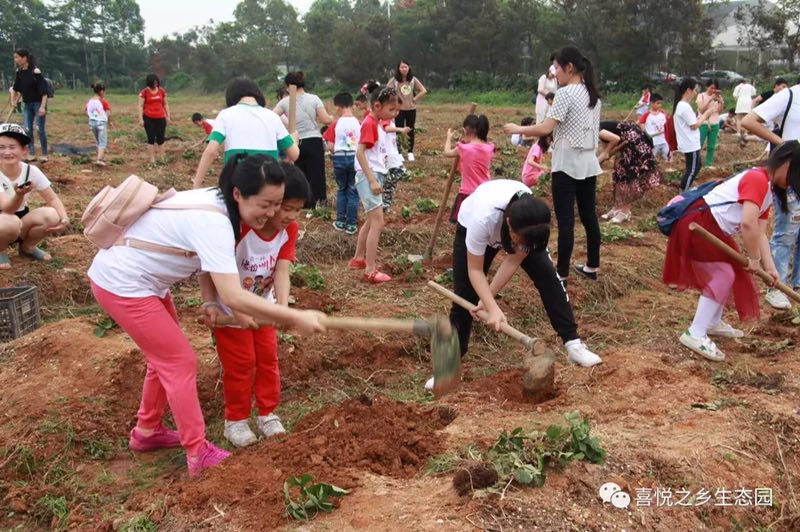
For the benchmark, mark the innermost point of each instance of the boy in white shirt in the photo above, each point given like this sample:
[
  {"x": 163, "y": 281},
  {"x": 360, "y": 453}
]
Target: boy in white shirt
[
  {"x": 394, "y": 161},
  {"x": 342, "y": 137},
  {"x": 655, "y": 122}
]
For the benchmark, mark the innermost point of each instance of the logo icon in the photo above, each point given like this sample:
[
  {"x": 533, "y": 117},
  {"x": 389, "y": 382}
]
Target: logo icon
[{"x": 611, "y": 492}]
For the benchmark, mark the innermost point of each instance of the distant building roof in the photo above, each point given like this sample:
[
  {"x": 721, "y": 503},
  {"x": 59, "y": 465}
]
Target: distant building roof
[{"x": 727, "y": 31}]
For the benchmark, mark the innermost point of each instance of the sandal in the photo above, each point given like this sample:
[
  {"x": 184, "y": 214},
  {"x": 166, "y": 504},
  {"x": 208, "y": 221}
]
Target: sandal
[
  {"x": 35, "y": 254},
  {"x": 5, "y": 262}
]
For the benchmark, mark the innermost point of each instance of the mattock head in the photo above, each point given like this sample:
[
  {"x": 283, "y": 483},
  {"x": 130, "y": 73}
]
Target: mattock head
[{"x": 446, "y": 356}]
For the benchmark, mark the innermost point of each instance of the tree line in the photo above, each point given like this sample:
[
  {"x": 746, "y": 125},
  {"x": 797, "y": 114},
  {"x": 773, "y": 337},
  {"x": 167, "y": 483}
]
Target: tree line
[{"x": 465, "y": 44}]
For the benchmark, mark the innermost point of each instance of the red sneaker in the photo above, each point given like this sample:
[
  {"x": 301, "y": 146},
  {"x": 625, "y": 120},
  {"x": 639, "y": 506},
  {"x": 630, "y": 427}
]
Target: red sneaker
[
  {"x": 209, "y": 456},
  {"x": 357, "y": 264},
  {"x": 376, "y": 277},
  {"x": 161, "y": 438}
]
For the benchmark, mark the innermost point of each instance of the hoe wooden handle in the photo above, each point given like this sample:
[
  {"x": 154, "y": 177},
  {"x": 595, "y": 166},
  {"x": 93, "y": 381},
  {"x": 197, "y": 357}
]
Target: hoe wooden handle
[
  {"x": 532, "y": 344},
  {"x": 418, "y": 327},
  {"x": 741, "y": 259}
]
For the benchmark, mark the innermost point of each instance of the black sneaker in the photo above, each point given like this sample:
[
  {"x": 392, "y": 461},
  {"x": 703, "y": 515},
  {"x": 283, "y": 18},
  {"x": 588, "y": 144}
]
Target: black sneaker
[{"x": 581, "y": 269}]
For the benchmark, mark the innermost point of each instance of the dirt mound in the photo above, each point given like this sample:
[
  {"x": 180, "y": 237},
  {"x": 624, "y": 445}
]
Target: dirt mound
[{"x": 377, "y": 435}]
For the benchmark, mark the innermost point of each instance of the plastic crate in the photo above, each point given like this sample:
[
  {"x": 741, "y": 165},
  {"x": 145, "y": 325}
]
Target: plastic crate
[{"x": 19, "y": 311}]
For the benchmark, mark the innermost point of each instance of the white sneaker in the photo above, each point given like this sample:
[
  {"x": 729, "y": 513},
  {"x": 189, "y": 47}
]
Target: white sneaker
[
  {"x": 578, "y": 353},
  {"x": 270, "y": 425},
  {"x": 239, "y": 433},
  {"x": 429, "y": 385},
  {"x": 725, "y": 330},
  {"x": 702, "y": 346},
  {"x": 778, "y": 299},
  {"x": 411, "y": 157}
]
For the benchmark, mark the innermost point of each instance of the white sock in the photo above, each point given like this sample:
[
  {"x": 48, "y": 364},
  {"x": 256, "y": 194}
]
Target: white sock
[{"x": 707, "y": 311}]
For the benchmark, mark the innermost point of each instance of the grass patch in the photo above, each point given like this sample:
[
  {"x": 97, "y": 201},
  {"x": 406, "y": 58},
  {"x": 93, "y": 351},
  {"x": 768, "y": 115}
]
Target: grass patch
[
  {"x": 307, "y": 275},
  {"x": 616, "y": 233}
]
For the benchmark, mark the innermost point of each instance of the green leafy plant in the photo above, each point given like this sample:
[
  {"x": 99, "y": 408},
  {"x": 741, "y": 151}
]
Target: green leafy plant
[
  {"x": 323, "y": 213},
  {"x": 400, "y": 263},
  {"x": 307, "y": 275},
  {"x": 139, "y": 523},
  {"x": 445, "y": 278},
  {"x": 585, "y": 446},
  {"x": 54, "y": 509},
  {"x": 405, "y": 212},
  {"x": 417, "y": 272},
  {"x": 103, "y": 326},
  {"x": 189, "y": 155},
  {"x": 84, "y": 158},
  {"x": 426, "y": 205},
  {"x": 285, "y": 338},
  {"x": 310, "y": 498},
  {"x": 615, "y": 233}
]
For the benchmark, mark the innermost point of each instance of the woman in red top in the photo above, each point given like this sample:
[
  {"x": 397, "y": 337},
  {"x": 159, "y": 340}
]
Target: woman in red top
[
  {"x": 740, "y": 204},
  {"x": 154, "y": 113}
]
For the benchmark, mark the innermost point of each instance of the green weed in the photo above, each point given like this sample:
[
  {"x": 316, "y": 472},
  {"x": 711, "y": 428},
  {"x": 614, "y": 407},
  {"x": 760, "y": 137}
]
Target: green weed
[
  {"x": 615, "y": 233},
  {"x": 323, "y": 213},
  {"x": 98, "y": 450},
  {"x": 50, "y": 508},
  {"x": 310, "y": 499},
  {"x": 405, "y": 212},
  {"x": 426, "y": 205},
  {"x": 445, "y": 278},
  {"x": 307, "y": 275},
  {"x": 416, "y": 273},
  {"x": 103, "y": 326},
  {"x": 139, "y": 523},
  {"x": 84, "y": 158}
]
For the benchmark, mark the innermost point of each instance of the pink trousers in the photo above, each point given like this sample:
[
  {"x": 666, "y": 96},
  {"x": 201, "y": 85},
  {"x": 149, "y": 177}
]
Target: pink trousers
[{"x": 171, "y": 377}]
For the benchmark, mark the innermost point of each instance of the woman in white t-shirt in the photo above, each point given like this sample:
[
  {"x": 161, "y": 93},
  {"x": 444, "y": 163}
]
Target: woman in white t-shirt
[
  {"x": 165, "y": 246},
  {"x": 311, "y": 113},
  {"x": 18, "y": 223},
  {"x": 245, "y": 127},
  {"x": 687, "y": 128},
  {"x": 547, "y": 84},
  {"x": 503, "y": 214},
  {"x": 574, "y": 121}
]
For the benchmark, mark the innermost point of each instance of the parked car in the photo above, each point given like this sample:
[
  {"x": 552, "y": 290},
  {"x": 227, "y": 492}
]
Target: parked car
[
  {"x": 726, "y": 78},
  {"x": 663, "y": 78}
]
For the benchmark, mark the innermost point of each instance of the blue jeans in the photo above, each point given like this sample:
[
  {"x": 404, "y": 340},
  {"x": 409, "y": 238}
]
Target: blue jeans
[
  {"x": 31, "y": 114},
  {"x": 100, "y": 132},
  {"x": 785, "y": 243},
  {"x": 344, "y": 171}
]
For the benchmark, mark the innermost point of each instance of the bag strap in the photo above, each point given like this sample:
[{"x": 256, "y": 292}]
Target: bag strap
[{"x": 788, "y": 108}]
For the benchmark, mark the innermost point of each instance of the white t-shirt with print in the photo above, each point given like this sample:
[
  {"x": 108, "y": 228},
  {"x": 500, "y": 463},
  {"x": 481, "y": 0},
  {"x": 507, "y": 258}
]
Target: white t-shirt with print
[
  {"x": 257, "y": 257},
  {"x": 688, "y": 138},
  {"x": 346, "y": 132},
  {"x": 483, "y": 211},
  {"x": 250, "y": 127},
  {"x": 131, "y": 272},
  {"x": 655, "y": 124},
  {"x": 393, "y": 157},
  {"x": 95, "y": 111},
  {"x": 38, "y": 181},
  {"x": 373, "y": 133},
  {"x": 773, "y": 110}
]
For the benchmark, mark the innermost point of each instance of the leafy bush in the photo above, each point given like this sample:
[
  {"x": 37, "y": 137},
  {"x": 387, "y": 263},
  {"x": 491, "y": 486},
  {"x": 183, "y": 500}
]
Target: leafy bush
[
  {"x": 311, "y": 498},
  {"x": 615, "y": 233}
]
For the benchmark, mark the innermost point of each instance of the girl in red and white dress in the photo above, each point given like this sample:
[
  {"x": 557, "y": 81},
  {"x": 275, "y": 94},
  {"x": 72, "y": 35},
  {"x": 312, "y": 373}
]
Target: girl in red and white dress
[{"x": 739, "y": 205}]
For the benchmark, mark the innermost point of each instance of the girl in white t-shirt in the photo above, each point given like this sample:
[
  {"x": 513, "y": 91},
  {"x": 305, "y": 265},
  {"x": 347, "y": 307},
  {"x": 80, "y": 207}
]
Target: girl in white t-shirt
[
  {"x": 99, "y": 113},
  {"x": 132, "y": 284},
  {"x": 739, "y": 205},
  {"x": 687, "y": 128},
  {"x": 744, "y": 94},
  {"x": 18, "y": 223}
]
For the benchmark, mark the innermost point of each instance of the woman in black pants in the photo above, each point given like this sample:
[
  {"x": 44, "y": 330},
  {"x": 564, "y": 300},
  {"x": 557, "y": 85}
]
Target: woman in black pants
[
  {"x": 154, "y": 113},
  {"x": 504, "y": 214},
  {"x": 410, "y": 90},
  {"x": 574, "y": 121}
]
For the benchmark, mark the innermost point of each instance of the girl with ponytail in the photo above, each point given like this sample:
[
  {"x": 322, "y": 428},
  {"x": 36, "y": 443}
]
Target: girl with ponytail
[
  {"x": 503, "y": 214},
  {"x": 474, "y": 153},
  {"x": 574, "y": 121}
]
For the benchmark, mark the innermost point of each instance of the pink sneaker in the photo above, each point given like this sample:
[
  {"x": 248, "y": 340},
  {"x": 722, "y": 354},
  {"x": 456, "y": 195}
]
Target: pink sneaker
[
  {"x": 357, "y": 264},
  {"x": 161, "y": 438},
  {"x": 209, "y": 456},
  {"x": 376, "y": 277}
]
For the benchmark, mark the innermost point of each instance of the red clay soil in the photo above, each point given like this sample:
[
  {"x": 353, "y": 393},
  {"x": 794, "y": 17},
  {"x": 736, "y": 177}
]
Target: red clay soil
[
  {"x": 378, "y": 435},
  {"x": 501, "y": 387}
]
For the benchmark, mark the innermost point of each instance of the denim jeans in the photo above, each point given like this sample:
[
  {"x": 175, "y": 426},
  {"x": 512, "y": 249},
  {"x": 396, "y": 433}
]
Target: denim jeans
[
  {"x": 344, "y": 171},
  {"x": 785, "y": 243},
  {"x": 100, "y": 131},
  {"x": 31, "y": 114}
]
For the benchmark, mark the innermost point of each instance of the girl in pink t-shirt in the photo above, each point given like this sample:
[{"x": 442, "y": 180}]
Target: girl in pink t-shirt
[
  {"x": 533, "y": 167},
  {"x": 475, "y": 153}
]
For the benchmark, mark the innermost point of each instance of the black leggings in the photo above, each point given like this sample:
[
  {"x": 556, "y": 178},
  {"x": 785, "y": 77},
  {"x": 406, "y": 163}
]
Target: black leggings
[
  {"x": 692, "y": 169},
  {"x": 312, "y": 163},
  {"x": 566, "y": 193},
  {"x": 155, "y": 129},
  {"x": 539, "y": 268},
  {"x": 407, "y": 118}
]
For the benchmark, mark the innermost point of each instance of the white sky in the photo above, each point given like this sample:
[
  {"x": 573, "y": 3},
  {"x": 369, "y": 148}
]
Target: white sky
[{"x": 164, "y": 17}]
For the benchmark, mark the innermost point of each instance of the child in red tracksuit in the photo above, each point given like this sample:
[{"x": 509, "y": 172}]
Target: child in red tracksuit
[{"x": 249, "y": 357}]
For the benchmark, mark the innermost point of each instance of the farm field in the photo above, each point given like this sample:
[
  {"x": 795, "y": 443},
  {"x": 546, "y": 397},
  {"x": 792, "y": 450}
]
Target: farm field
[{"x": 353, "y": 403}]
